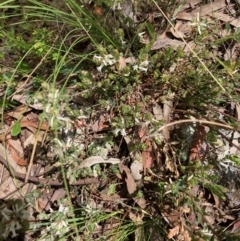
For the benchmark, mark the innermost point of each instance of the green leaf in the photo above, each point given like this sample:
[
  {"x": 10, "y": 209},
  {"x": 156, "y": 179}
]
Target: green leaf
[
  {"x": 235, "y": 159},
  {"x": 16, "y": 128},
  {"x": 217, "y": 190},
  {"x": 150, "y": 29},
  {"x": 237, "y": 35}
]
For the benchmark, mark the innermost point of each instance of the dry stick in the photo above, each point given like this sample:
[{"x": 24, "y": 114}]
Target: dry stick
[
  {"x": 29, "y": 168},
  {"x": 50, "y": 182},
  {"x": 30, "y": 187},
  {"x": 191, "y": 121}
]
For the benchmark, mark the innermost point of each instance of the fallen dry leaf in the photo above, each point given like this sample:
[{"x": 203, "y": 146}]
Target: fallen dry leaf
[
  {"x": 58, "y": 194},
  {"x": 169, "y": 161},
  {"x": 8, "y": 184},
  {"x": 6, "y": 155},
  {"x": 131, "y": 184},
  {"x": 135, "y": 155},
  {"x": 210, "y": 217},
  {"x": 136, "y": 169},
  {"x": 191, "y": 3},
  {"x": 122, "y": 63},
  {"x": 137, "y": 219},
  {"x": 157, "y": 111},
  {"x": 199, "y": 146},
  {"x": 207, "y": 9},
  {"x": 22, "y": 98},
  {"x": 167, "y": 110},
  {"x": 166, "y": 42},
  {"x": 88, "y": 162},
  {"x": 128, "y": 11},
  {"x": 20, "y": 161},
  {"x": 158, "y": 156},
  {"x": 147, "y": 156},
  {"x": 100, "y": 124},
  {"x": 142, "y": 132},
  {"x": 18, "y": 112},
  {"x": 210, "y": 8},
  {"x": 170, "y": 215},
  {"x": 186, "y": 235},
  {"x": 27, "y": 124},
  {"x": 180, "y": 29},
  {"x": 173, "y": 232},
  {"x": 236, "y": 226},
  {"x": 40, "y": 204},
  {"x": 16, "y": 144}
]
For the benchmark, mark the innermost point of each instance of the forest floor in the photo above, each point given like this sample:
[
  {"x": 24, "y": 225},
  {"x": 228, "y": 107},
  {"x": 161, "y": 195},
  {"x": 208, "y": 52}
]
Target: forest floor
[{"x": 120, "y": 120}]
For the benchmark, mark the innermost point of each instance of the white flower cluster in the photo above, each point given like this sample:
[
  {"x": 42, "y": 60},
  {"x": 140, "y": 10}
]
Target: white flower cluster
[
  {"x": 60, "y": 225},
  {"x": 108, "y": 59},
  {"x": 143, "y": 66},
  {"x": 199, "y": 24},
  {"x": 122, "y": 131}
]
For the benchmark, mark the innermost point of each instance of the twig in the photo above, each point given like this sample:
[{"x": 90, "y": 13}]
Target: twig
[
  {"x": 32, "y": 155},
  {"x": 30, "y": 187},
  {"x": 50, "y": 182},
  {"x": 191, "y": 121}
]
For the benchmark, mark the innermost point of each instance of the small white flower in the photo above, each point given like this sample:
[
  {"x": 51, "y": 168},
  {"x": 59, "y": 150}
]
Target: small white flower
[
  {"x": 97, "y": 57},
  {"x": 55, "y": 94},
  {"x": 35, "y": 101},
  {"x": 135, "y": 67},
  {"x": 109, "y": 59},
  {"x": 104, "y": 62},
  {"x": 143, "y": 69},
  {"x": 13, "y": 226},
  {"x": 6, "y": 213},
  {"x": 68, "y": 144},
  {"x": 116, "y": 131},
  {"x": 99, "y": 68},
  {"x": 141, "y": 34},
  {"x": 88, "y": 209},
  {"x": 145, "y": 63},
  {"x": 68, "y": 121},
  {"x": 136, "y": 120},
  {"x": 95, "y": 174},
  {"x": 12, "y": 229},
  {"x": 61, "y": 145},
  {"x": 63, "y": 209},
  {"x": 47, "y": 108},
  {"x": 123, "y": 132},
  {"x": 51, "y": 121},
  {"x": 116, "y": 6},
  {"x": 200, "y": 25},
  {"x": 17, "y": 224}
]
